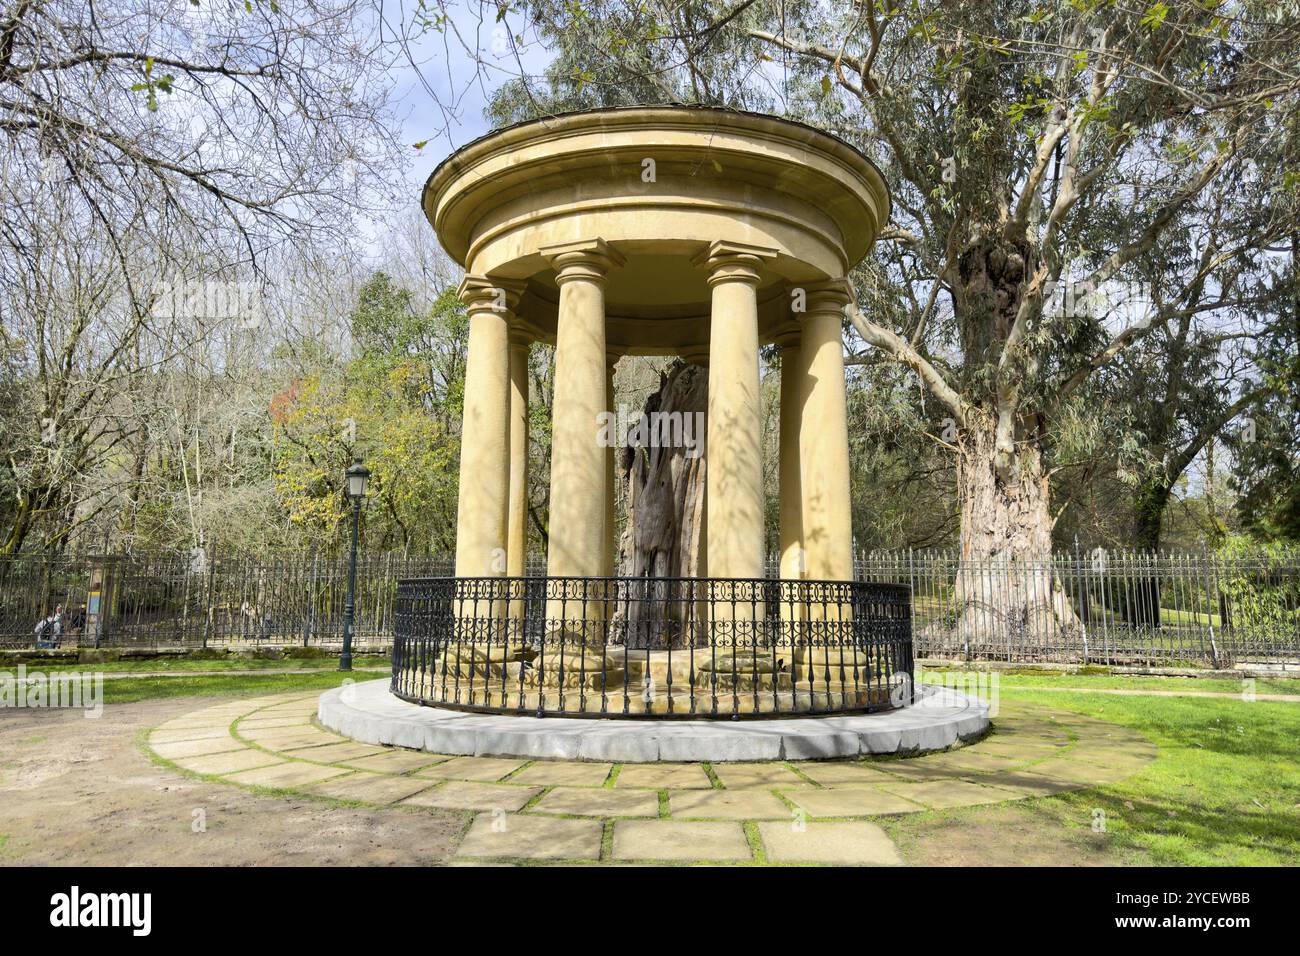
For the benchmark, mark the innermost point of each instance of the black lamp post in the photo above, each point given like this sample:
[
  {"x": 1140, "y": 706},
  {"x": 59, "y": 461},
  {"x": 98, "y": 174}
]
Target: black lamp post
[{"x": 358, "y": 475}]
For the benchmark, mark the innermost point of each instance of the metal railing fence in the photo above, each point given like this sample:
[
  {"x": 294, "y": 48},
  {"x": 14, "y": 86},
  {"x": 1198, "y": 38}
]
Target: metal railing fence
[
  {"x": 1201, "y": 609},
  {"x": 1102, "y": 607},
  {"x": 652, "y": 647}
]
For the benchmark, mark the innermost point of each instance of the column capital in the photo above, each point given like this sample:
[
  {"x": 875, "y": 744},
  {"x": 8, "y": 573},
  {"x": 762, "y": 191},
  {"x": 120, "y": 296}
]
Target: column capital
[
  {"x": 788, "y": 339},
  {"x": 584, "y": 259},
  {"x": 733, "y": 261},
  {"x": 519, "y": 338},
  {"x": 696, "y": 356},
  {"x": 485, "y": 294},
  {"x": 830, "y": 296}
]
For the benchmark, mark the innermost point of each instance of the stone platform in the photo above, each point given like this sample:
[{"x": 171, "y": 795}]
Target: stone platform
[{"x": 369, "y": 713}]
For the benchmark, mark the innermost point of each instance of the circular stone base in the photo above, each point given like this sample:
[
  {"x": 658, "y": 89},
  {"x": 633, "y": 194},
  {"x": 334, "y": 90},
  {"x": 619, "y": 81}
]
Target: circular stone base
[{"x": 369, "y": 713}]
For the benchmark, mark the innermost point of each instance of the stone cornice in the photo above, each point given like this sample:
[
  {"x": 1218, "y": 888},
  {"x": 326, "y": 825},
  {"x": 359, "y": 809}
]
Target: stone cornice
[{"x": 773, "y": 166}]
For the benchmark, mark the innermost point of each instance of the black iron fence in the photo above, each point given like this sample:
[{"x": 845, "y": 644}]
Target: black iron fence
[
  {"x": 661, "y": 647},
  {"x": 1201, "y": 609},
  {"x": 1102, "y": 607},
  {"x": 166, "y": 601}
]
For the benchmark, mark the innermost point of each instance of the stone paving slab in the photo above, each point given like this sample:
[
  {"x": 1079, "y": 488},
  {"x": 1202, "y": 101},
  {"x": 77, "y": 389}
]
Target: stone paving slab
[
  {"x": 286, "y": 736},
  {"x": 221, "y": 710},
  {"x": 680, "y": 841},
  {"x": 919, "y": 770},
  {"x": 1029, "y": 727},
  {"x": 532, "y": 838},
  {"x": 276, "y": 713},
  {"x": 857, "y": 843},
  {"x": 963, "y": 760},
  {"x": 179, "y": 735},
  {"x": 854, "y": 802},
  {"x": 484, "y": 769},
  {"x": 948, "y": 794},
  {"x": 554, "y": 773},
  {"x": 372, "y": 787},
  {"x": 1015, "y": 741},
  {"x": 741, "y": 776},
  {"x": 336, "y": 753},
  {"x": 472, "y": 795},
  {"x": 600, "y": 802},
  {"x": 196, "y": 748},
  {"x": 285, "y": 775},
  {"x": 269, "y": 722},
  {"x": 207, "y": 723},
  {"x": 395, "y": 761},
  {"x": 727, "y": 805},
  {"x": 664, "y": 776},
  {"x": 230, "y": 762},
  {"x": 838, "y": 774},
  {"x": 270, "y": 718},
  {"x": 276, "y": 700},
  {"x": 300, "y": 743},
  {"x": 303, "y": 705}
]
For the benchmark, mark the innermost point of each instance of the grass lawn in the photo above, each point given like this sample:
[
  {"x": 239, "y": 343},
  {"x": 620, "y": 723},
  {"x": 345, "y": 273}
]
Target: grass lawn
[
  {"x": 181, "y": 666},
  {"x": 129, "y": 689},
  {"x": 1169, "y": 615},
  {"x": 1224, "y": 790},
  {"x": 1018, "y": 679}
]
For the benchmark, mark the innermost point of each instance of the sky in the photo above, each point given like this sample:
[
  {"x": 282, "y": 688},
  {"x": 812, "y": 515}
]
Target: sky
[
  {"x": 443, "y": 82},
  {"x": 440, "y": 97}
]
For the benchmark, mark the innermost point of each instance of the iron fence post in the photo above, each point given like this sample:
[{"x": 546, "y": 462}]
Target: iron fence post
[{"x": 1211, "y": 602}]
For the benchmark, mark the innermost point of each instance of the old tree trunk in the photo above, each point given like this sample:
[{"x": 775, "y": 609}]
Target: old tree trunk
[
  {"x": 664, "y": 534},
  {"x": 1006, "y": 592}
]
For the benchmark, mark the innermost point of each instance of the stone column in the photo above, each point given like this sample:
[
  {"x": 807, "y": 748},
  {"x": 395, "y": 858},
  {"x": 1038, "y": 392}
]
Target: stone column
[
  {"x": 791, "y": 496},
  {"x": 481, "y": 512},
  {"x": 792, "y": 562},
  {"x": 735, "y": 426},
  {"x": 827, "y": 518},
  {"x": 825, "y": 657},
  {"x": 734, "y": 486},
  {"x": 578, "y": 485},
  {"x": 517, "y": 514},
  {"x": 611, "y": 521}
]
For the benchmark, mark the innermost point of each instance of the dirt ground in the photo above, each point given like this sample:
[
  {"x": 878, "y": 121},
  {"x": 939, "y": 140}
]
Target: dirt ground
[
  {"x": 79, "y": 792},
  {"x": 1012, "y": 834}
]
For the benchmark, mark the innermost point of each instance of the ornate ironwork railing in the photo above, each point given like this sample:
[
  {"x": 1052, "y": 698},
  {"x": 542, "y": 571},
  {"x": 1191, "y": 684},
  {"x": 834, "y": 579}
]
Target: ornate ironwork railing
[{"x": 652, "y": 647}]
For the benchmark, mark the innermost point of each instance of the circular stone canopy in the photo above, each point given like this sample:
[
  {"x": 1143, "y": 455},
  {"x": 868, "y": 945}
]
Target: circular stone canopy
[{"x": 660, "y": 185}]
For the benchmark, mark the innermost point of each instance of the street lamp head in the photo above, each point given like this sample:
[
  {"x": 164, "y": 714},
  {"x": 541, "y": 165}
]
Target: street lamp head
[{"x": 358, "y": 476}]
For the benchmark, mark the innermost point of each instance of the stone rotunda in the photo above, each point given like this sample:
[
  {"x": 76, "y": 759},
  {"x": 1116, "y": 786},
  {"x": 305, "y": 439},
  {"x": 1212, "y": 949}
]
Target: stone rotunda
[
  {"x": 700, "y": 233},
  {"x": 677, "y": 231}
]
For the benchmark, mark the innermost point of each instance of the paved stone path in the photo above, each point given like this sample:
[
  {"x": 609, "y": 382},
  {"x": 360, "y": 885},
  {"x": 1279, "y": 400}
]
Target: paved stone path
[{"x": 548, "y": 811}]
